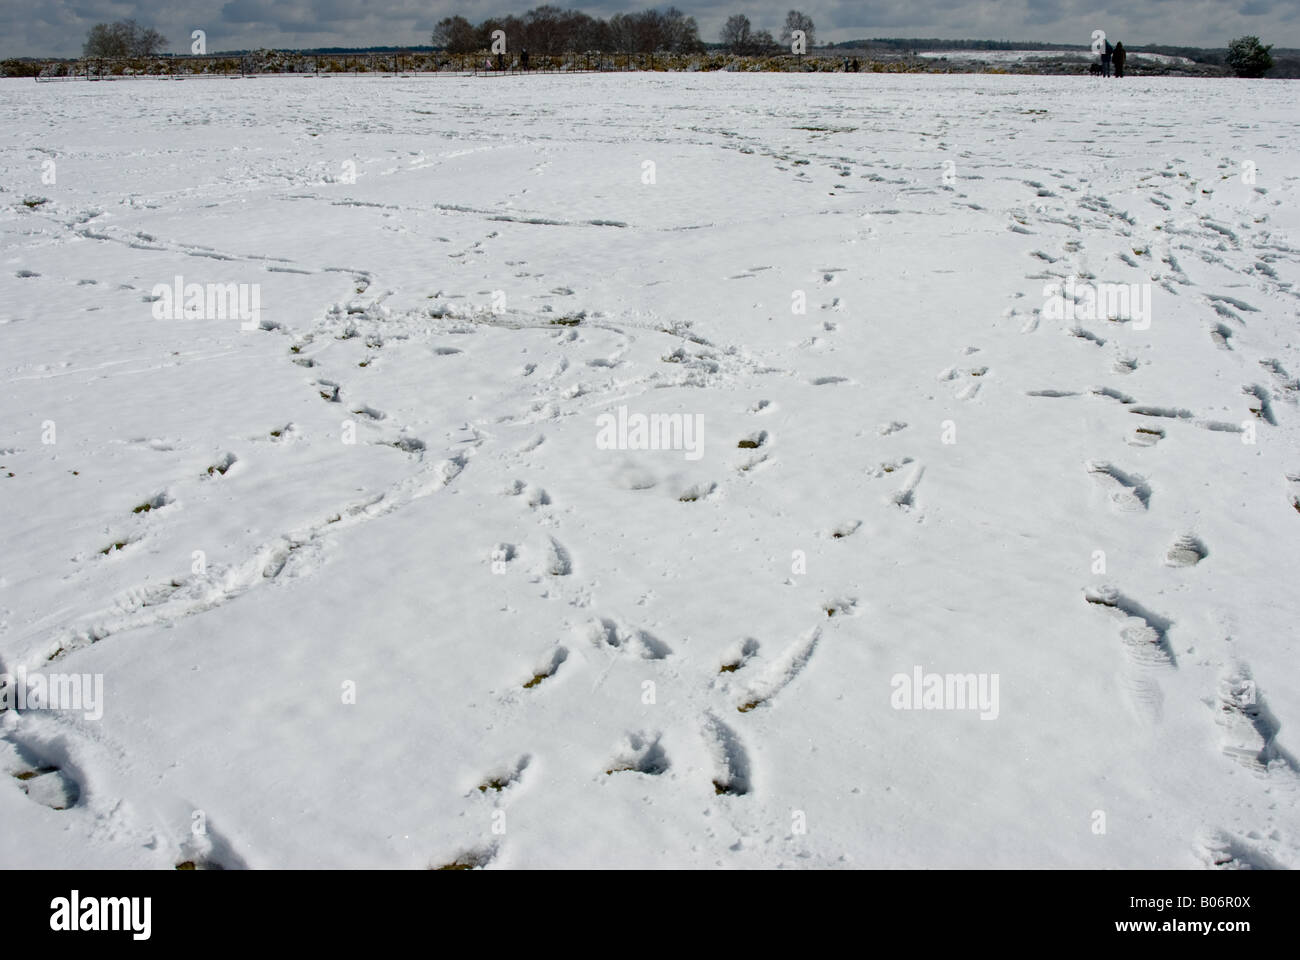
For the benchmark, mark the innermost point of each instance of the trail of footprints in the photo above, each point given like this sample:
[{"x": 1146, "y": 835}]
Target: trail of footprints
[
  {"x": 747, "y": 681},
  {"x": 1249, "y": 729},
  {"x": 750, "y": 682},
  {"x": 614, "y": 639},
  {"x": 744, "y": 682},
  {"x": 290, "y": 553}
]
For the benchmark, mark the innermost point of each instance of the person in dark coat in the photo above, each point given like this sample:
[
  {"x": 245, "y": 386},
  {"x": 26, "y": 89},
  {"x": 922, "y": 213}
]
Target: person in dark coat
[
  {"x": 523, "y": 59},
  {"x": 1119, "y": 56},
  {"x": 1105, "y": 59}
]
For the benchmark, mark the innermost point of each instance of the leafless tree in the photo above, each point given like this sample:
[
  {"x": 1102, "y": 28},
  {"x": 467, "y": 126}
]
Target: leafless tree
[
  {"x": 126, "y": 38},
  {"x": 455, "y": 35},
  {"x": 761, "y": 43},
  {"x": 795, "y": 20},
  {"x": 737, "y": 33}
]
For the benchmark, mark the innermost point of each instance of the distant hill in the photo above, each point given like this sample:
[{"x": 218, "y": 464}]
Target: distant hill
[
  {"x": 910, "y": 44},
  {"x": 1286, "y": 60}
]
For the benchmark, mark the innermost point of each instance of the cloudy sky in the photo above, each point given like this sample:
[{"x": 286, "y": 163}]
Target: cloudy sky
[{"x": 58, "y": 27}]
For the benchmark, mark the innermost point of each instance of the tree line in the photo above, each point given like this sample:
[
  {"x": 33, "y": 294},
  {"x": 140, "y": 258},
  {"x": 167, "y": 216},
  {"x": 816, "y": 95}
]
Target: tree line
[{"x": 548, "y": 30}]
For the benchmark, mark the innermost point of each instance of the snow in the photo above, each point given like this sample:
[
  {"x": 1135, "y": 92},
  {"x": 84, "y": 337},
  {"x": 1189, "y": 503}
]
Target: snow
[{"x": 477, "y": 635}]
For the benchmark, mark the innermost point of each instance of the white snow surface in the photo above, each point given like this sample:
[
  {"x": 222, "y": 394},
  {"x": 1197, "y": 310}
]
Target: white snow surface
[{"x": 536, "y": 628}]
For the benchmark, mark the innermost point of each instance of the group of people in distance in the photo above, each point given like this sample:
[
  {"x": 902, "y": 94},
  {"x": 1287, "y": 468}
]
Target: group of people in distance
[{"x": 1116, "y": 55}]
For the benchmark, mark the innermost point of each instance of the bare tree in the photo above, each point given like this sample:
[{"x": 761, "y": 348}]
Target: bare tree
[
  {"x": 682, "y": 33},
  {"x": 147, "y": 43},
  {"x": 515, "y": 30},
  {"x": 635, "y": 32},
  {"x": 623, "y": 33},
  {"x": 737, "y": 33},
  {"x": 651, "y": 31},
  {"x": 544, "y": 30},
  {"x": 590, "y": 33},
  {"x": 455, "y": 35},
  {"x": 550, "y": 30},
  {"x": 126, "y": 38},
  {"x": 105, "y": 40},
  {"x": 761, "y": 43},
  {"x": 795, "y": 20}
]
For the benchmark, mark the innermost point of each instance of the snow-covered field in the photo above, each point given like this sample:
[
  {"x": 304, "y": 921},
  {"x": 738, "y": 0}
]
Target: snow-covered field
[{"x": 395, "y": 601}]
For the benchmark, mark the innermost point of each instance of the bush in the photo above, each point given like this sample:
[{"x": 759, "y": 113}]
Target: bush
[
  {"x": 1248, "y": 57},
  {"x": 19, "y": 68}
]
